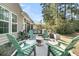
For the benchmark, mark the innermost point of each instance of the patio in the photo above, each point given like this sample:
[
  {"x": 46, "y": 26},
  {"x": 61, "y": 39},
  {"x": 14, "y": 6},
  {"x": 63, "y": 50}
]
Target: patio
[
  {"x": 42, "y": 49},
  {"x": 21, "y": 23}
]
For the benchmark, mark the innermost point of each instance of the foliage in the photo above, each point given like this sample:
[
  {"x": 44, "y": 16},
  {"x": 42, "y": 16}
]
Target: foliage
[
  {"x": 64, "y": 28},
  {"x": 49, "y": 12},
  {"x": 76, "y": 25},
  {"x": 21, "y": 36},
  {"x": 56, "y": 19}
]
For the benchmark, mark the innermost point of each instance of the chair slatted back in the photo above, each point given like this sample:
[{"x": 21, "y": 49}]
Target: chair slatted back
[
  {"x": 72, "y": 43},
  {"x": 32, "y": 35},
  {"x": 30, "y": 32},
  {"x": 13, "y": 40},
  {"x": 45, "y": 34}
]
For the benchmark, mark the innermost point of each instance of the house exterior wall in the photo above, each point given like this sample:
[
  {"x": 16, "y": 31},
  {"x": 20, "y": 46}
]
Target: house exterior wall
[
  {"x": 29, "y": 22},
  {"x": 13, "y": 8},
  {"x": 5, "y": 47}
]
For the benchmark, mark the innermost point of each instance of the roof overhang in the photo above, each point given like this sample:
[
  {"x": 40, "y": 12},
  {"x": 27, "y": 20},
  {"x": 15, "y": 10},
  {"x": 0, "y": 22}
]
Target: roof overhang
[{"x": 26, "y": 16}]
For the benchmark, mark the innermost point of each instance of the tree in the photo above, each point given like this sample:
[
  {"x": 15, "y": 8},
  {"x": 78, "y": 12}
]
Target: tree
[
  {"x": 60, "y": 15},
  {"x": 49, "y": 12}
]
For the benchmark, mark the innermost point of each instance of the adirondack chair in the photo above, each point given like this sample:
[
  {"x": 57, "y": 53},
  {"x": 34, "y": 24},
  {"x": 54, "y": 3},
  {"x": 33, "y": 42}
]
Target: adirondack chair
[
  {"x": 57, "y": 38},
  {"x": 59, "y": 51},
  {"x": 26, "y": 50},
  {"x": 45, "y": 35},
  {"x": 31, "y": 35}
]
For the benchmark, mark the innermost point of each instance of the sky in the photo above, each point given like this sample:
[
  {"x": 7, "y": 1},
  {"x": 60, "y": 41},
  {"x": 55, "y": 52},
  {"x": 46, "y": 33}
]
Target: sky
[{"x": 33, "y": 10}]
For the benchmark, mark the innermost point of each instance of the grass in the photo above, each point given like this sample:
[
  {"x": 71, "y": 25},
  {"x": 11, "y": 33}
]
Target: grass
[{"x": 68, "y": 38}]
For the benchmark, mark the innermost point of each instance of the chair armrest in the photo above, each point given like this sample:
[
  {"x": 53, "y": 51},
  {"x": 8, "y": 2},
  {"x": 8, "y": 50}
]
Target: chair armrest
[
  {"x": 21, "y": 42},
  {"x": 56, "y": 47},
  {"x": 62, "y": 42},
  {"x": 26, "y": 47},
  {"x": 59, "y": 49}
]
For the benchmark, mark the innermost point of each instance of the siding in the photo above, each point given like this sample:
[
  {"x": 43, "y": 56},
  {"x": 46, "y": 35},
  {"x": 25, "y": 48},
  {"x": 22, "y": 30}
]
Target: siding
[
  {"x": 3, "y": 39},
  {"x": 15, "y": 8}
]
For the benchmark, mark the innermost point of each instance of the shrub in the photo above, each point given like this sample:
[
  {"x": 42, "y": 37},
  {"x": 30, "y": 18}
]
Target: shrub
[
  {"x": 21, "y": 36},
  {"x": 76, "y": 25},
  {"x": 64, "y": 28}
]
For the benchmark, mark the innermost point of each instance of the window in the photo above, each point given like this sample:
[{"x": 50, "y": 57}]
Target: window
[
  {"x": 28, "y": 27},
  {"x": 14, "y": 27},
  {"x": 4, "y": 14},
  {"x": 14, "y": 23},
  {"x": 32, "y": 26},
  {"x": 4, "y": 20},
  {"x": 14, "y": 18},
  {"x": 3, "y": 27}
]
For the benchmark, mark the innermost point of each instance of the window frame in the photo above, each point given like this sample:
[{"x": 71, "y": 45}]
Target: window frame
[
  {"x": 9, "y": 21},
  {"x": 15, "y": 22},
  {"x": 5, "y": 20}
]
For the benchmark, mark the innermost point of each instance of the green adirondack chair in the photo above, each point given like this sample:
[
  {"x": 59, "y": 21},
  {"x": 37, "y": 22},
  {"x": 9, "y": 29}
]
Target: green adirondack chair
[
  {"x": 62, "y": 42},
  {"x": 31, "y": 34},
  {"x": 56, "y": 50},
  {"x": 45, "y": 35},
  {"x": 26, "y": 50}
]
